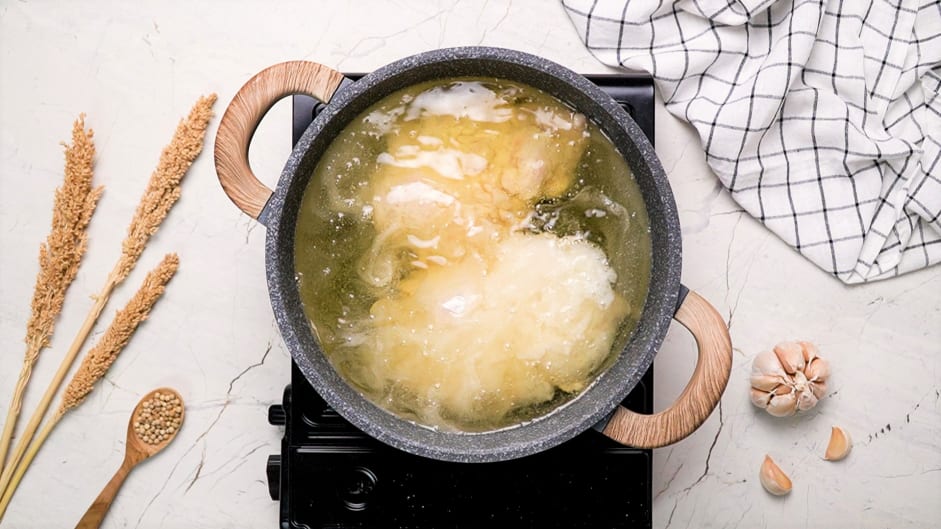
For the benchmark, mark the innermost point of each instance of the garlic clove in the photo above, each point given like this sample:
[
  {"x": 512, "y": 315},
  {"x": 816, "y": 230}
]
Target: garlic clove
[
  {"x": 767, "y": 382},
  {"x": 791, "y": 356},
  {"x": 810, "y": 351},
  {"x": 839, "y": 446},
  {"x": 760, "y": 398},
  {"x": 767, "y": 363},
  {"x": 773, "y": 479},
  {"x": 806, "y": 399},
  {"x": 818, "y": 369},
  {"x": 783, "y": 405}
]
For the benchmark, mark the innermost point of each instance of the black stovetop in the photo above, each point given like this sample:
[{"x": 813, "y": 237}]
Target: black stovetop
[{"x": 331, "y": 475}]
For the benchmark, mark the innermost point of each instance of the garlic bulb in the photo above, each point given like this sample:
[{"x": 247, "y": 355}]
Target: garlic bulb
[{"x": 788, "y": 379}]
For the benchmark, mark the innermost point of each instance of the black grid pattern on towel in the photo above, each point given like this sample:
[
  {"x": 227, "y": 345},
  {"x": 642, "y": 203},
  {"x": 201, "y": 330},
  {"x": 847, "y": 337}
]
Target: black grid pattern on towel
[{"x": 821, "y": 117}]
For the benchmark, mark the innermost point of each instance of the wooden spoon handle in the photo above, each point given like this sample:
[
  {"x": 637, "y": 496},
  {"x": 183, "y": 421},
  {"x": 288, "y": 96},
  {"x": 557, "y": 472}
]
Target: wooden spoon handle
[
  {"x": 244, "y": 113},
  {"x": 702, "y": 393},
  {"x": 99, "y": 508}
]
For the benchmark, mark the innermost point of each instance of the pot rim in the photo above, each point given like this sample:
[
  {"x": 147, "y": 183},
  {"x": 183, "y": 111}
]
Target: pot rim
[{"x": 597, "y": 401}]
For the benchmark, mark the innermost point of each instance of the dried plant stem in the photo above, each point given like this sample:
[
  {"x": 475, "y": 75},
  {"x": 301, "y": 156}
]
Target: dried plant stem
[
  {"x": 59, "y": 258},
  {"x": 95, "y": 364},
  {"x": 16, "y": 403},
  {"x": 30, "y": 454}
]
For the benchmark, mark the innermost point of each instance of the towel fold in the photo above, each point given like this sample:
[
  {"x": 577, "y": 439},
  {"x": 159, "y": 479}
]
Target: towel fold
[{"x": 822, "y": 118}]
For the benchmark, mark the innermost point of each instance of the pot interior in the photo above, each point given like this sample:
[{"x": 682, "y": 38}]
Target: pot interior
[{"x": 609, "y": 388}]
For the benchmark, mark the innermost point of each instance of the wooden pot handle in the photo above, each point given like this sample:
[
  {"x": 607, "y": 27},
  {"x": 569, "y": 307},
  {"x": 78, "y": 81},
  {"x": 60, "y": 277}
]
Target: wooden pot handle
[
  {"x": 702, "y": 393},
  {"x": 245, "y": 112}
]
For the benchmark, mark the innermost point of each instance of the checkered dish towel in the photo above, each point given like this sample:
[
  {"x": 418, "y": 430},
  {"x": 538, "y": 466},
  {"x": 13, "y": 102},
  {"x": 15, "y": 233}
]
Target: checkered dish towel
[{"x": 823, "y": 118}]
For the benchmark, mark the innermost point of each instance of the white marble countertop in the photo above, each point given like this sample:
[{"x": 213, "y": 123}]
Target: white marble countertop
[{"x": 135, "y": 70}]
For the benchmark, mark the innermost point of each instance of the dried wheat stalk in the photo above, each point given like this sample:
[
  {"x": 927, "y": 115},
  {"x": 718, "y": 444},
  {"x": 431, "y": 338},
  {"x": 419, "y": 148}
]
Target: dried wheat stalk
[
  {"x": 164, "y": 187},
  {"x": 99, "y": 359},
  {"x": 162, "y": 191},
  {"x": 59, "y": 259}
]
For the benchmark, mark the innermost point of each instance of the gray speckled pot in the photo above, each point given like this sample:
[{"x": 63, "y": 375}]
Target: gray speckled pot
[{"x": 596, "y": 403}]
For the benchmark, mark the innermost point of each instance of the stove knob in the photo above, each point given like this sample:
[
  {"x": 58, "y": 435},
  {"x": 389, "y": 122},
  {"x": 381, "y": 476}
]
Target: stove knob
[
  {"x": 276, "y": 415},
  {"x": 273, "y": 470},
  {"x": 357, "y": 485}
]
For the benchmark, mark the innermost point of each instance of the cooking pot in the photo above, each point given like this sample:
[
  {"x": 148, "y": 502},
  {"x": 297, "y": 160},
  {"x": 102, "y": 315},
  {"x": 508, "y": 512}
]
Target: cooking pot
[{"x": 598, "y": 405}]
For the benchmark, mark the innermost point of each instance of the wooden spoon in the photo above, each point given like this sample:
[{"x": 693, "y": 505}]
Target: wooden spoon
[{"x": 136, "y": 450}]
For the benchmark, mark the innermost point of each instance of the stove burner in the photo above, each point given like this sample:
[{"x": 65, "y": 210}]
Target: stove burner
[{"x": 331, "y": 475}]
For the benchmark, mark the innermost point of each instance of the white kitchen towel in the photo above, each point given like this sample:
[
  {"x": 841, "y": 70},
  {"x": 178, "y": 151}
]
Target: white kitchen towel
[{"x": 823, "y": 118}]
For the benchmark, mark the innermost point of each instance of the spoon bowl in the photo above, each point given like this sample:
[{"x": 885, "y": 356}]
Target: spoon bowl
[{"x": 134, "y": 441}]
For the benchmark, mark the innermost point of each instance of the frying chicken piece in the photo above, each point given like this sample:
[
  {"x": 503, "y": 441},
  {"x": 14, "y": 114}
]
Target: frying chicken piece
[
  {"x": 462, "y": 169},
  {"x": 451, "y": 337}
]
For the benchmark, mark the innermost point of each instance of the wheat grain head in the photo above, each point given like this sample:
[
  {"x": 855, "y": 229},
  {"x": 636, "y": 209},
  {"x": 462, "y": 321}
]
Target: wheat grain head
[
  {"x": 100, "y": 357},
  {"x": 163, "y": 189}
]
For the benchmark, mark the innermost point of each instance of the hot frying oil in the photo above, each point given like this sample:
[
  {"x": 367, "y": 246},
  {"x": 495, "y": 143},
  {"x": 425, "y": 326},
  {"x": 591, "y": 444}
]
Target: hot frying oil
[{"x": 472, "y": 253}]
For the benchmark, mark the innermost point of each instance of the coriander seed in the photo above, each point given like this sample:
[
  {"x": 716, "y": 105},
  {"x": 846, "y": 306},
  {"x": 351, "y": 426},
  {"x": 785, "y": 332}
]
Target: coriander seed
[{"x": 158, "y": 418}]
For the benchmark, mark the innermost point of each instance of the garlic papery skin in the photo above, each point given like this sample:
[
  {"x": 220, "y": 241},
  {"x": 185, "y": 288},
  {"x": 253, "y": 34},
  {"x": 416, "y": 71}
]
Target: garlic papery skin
[
  {"x": 839, "y": 446},
  {"x": 790, "y": 378},
  {"x": 773, "y": 479}
]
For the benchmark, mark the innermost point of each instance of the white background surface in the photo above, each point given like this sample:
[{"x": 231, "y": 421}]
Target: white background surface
[{"x": 136, "y": 69}]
